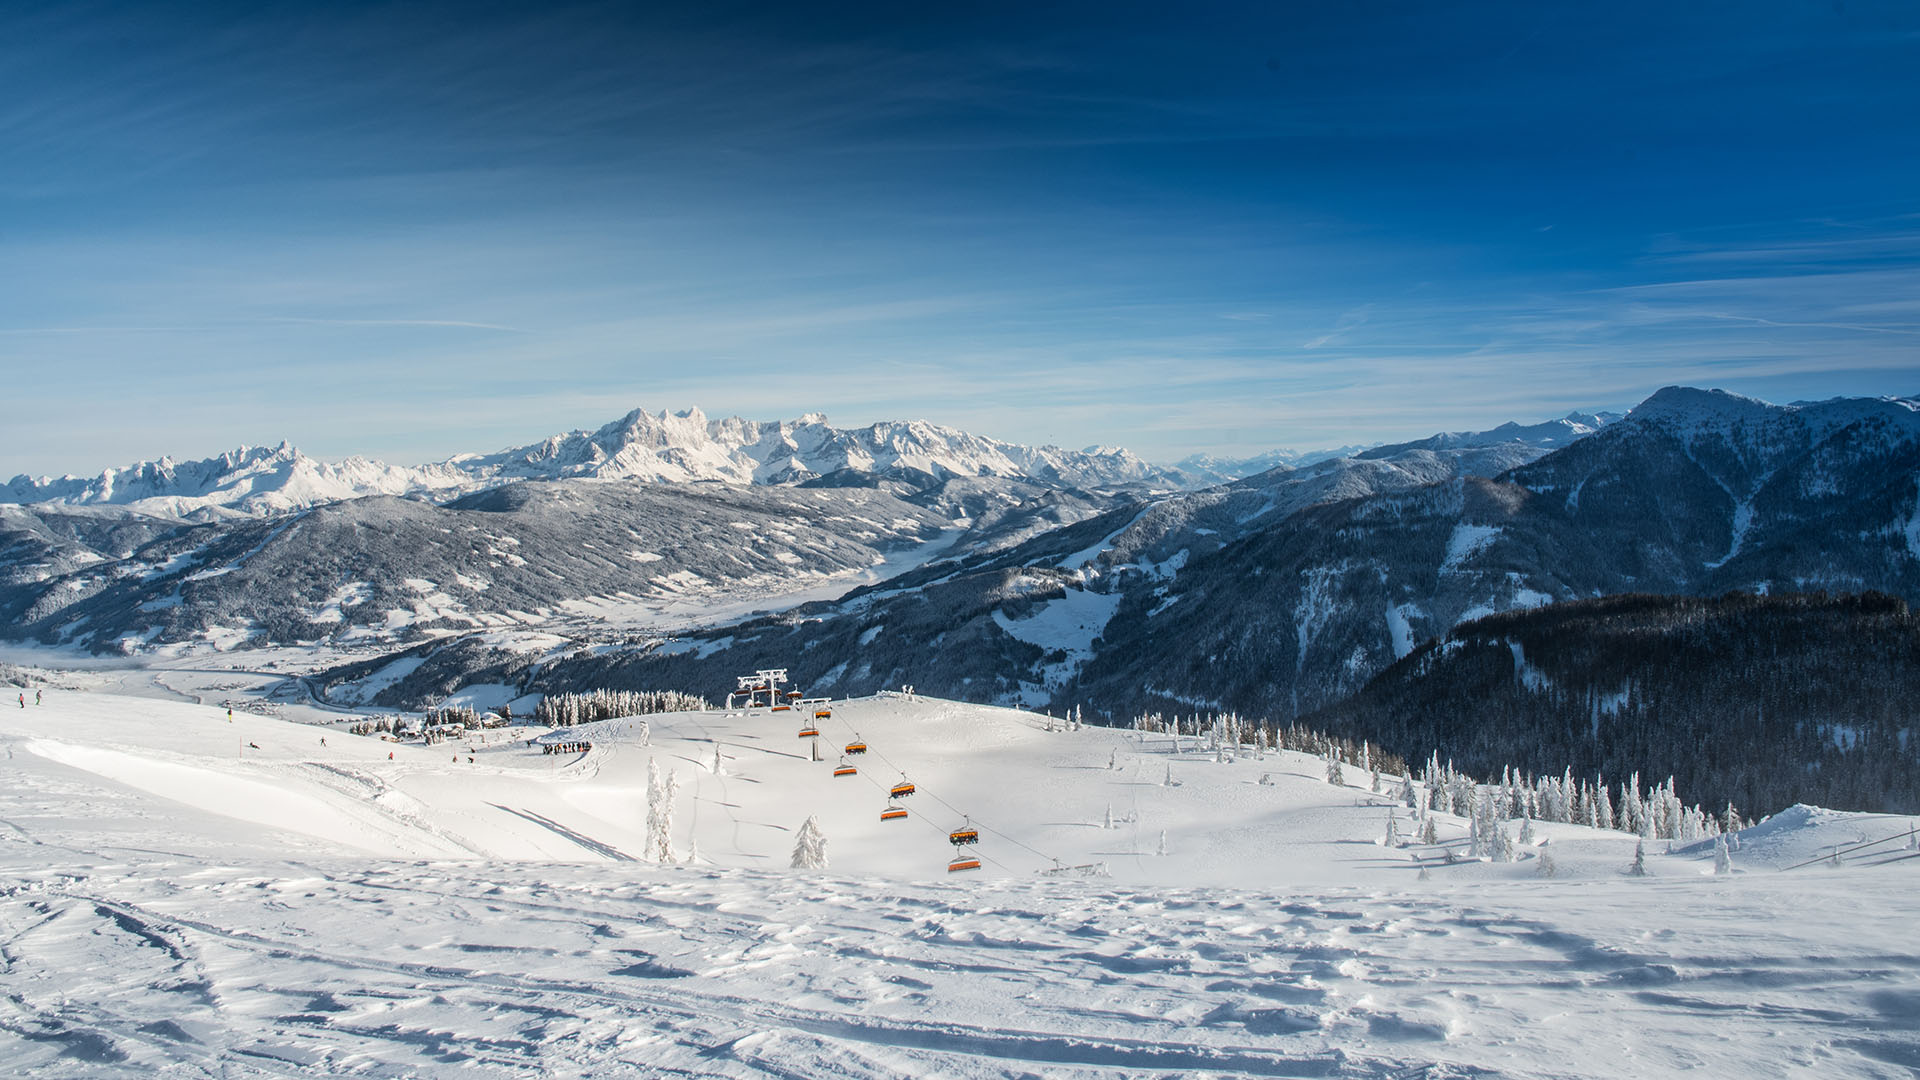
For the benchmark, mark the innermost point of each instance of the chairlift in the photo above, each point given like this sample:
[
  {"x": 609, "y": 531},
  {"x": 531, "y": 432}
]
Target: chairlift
[
  {"x": 845, "y": 769},
  {"x": 965, "y": 834},
  {"x": 809, "y": 732},
  {"x": 893, "y": 813},
  {"x": 856, "y": 747},
  {"x": 901, "y": 790},
  {"x": 963, "y": 862},
  {"x": 823, "y": 714}
]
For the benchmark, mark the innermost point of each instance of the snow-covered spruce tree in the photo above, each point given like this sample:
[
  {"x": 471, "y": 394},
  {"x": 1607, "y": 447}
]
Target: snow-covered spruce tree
[
  {"x": 1108, "y": 823},
  {"x": 1163, "y": 842},
  {"x": 660, "y": 799},
  {"x": 1722, "y": 858},
  {"x": 1429, "y": 834},
  {"x": 1168, "y": 782},
  {"x": 719, "y": 763},
  {"x": 1374, "y": 784},
  {"x": 1639, "y": 867},
  {"x": 1407, "y": 795},
  {"x": 1393, "y": 830},
  {"x": 1334, "y": 774},
  {"x": 1548, "y": 868},
  {"x": 1526, "y": 832},
  {"x": 810, "y": 846}
]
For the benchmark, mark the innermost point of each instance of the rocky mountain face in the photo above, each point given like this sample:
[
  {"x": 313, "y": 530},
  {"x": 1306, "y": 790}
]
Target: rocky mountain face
[{"x": 1286, "y": 592}]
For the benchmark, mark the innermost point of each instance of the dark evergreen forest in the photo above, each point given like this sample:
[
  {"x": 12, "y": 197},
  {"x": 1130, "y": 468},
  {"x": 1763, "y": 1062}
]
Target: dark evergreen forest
[{"x": 1761, "y": 701}]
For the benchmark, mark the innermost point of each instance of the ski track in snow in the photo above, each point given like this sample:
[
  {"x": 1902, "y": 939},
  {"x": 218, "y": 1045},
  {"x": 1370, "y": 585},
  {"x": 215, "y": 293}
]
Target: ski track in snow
[
  {"x": 155, "y": 924},
  {"x": 324, "y": 969}
]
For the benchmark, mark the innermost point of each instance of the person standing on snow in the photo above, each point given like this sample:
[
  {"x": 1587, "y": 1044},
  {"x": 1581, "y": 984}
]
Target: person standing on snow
[{"x": 36, "y": 697}]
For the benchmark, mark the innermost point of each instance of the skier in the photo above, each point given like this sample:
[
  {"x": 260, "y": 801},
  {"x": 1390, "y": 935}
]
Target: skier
[
  {"x": 23, "y": 699},
  {"x": 36, "y": 697},
  {"x": 229, "y": 714}
]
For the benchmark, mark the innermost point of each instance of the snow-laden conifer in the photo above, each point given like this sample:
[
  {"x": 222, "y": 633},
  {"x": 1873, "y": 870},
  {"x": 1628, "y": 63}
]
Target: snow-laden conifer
[
  {"x": 810, "y": 846},
  {"x": 660, "y": 798}
]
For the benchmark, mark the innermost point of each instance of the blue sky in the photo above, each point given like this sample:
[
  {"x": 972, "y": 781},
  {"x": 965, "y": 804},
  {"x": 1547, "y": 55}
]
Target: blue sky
[{"x": 409, "y": 230}]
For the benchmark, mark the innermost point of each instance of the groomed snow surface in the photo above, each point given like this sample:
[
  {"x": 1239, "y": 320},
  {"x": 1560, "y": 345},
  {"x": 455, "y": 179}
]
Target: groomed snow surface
[{"x": 185, "y": 896}]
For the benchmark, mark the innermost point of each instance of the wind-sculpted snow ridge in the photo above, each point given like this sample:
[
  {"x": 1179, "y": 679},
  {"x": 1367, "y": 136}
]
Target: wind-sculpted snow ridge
[{"x": 185, "y": 895}]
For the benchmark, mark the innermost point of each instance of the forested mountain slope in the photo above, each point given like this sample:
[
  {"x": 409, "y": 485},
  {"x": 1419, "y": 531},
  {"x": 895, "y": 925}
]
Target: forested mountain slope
[{"x": 1761, "y": 701}]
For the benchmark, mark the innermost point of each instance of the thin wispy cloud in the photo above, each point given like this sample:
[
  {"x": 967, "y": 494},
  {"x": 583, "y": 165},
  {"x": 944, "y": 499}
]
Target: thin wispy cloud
[{"x": 370, "y": 229}]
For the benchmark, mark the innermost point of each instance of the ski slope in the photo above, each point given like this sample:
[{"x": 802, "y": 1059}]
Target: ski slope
[{"x": 185, "y": 895}]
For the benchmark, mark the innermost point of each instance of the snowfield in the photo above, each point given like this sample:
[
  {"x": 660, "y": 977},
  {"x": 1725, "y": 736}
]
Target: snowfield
[{"x": 183, "y": 895}]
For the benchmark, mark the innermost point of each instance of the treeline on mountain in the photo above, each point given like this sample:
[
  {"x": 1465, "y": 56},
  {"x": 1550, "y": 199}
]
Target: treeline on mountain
[{"x": 1761, "y": 701}]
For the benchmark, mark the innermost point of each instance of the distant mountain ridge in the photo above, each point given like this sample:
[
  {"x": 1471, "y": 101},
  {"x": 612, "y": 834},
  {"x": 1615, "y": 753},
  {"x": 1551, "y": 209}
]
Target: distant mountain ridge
[
  {"x": 687, "y": 447},
  {"x": 683, "y": 447},
  {"x": 1547, "y": 435},
  {"x": 252, "y": 480}
]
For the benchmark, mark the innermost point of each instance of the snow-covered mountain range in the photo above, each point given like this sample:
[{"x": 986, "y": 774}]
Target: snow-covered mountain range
[
  {"x": 666, "y": 447},
  {"x": 253, "y": 480},
  {"x": 687, "y": 447},
  {"x": 1287, "y": 591},
  {"x": 1694, "y": 492}
]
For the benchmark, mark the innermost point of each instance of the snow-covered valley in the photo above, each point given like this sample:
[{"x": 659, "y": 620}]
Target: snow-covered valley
[{"x": 188, "y": 895}]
